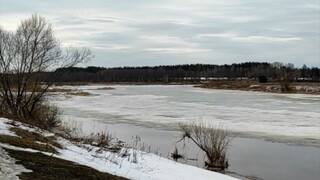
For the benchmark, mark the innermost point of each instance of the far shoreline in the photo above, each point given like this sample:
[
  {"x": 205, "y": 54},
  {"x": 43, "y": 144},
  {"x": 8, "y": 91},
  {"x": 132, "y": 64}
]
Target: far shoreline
[{"x": 310, "y": 88}]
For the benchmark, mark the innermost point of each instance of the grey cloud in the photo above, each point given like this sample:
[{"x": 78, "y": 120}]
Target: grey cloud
[
  {"x": 103, "y": 20},
  {"x": 172, "y": 31},
  {"x": 73, "y": 20},
  {"x": 69, "y": 21}
]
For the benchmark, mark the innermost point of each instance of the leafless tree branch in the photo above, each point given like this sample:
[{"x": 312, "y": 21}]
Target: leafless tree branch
[{"x": 24, "y": 54}]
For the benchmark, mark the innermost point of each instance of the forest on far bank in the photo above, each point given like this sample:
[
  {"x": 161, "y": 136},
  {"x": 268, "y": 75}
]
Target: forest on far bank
[{"x": 188, "y": 73}]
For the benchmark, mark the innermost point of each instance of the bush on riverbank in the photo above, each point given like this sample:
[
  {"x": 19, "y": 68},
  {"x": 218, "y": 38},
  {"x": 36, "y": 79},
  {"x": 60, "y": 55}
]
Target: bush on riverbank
[{"x": 213, "y": 141}]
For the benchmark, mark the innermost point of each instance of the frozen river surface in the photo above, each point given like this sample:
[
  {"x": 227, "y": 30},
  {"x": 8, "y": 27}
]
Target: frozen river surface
[{"x": 280, "y": 117}]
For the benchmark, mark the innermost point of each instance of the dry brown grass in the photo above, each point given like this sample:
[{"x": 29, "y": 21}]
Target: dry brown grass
[
  {"x": 32, "y": 140},
  {"x": 78, "y": 93},
  {"x": 102, "y": 139},
  {"x": 24, "y": 143},
  {"x": 33, "y": 136},
  {"x": 272, "y": 86},
  {"x": 44, "y": 115},
  {"x": 59, "y": 90},
  {"x": 72, "y": 130},
  {"x": 106, "y": 88}
]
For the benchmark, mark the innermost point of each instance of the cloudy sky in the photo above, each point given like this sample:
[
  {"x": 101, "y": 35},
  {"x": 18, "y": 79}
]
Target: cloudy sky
[{"x": 158, "y": 32}]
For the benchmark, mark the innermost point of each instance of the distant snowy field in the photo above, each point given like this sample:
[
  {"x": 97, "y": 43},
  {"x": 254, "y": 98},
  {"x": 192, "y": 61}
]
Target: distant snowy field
[{"x": 292, "y": 116}]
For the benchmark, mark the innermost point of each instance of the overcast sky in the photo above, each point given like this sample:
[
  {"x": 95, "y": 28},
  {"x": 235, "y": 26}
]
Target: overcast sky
[{"x": 162, "y": 32}]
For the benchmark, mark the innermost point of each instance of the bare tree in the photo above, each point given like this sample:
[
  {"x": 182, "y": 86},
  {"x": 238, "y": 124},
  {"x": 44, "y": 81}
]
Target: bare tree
[
  {"x": 24, "y": 54},
  {"x": 213, "y": 141}
]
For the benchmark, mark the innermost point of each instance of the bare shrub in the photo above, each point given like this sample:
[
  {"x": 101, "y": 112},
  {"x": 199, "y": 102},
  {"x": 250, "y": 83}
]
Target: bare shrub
[
  {"x": 102, "y": 139},
  {"x": 285, "y": 85},
  {"x": 45, "y": 115},
  {"x": 213, "y": 141},
  {"x": 24, "y": 56},
  {"x": 68, "y": 129}
]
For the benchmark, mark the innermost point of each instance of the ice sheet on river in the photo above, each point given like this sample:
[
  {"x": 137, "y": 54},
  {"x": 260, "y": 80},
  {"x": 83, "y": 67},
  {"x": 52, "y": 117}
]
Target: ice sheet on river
[{"x": 271, "y": 115}]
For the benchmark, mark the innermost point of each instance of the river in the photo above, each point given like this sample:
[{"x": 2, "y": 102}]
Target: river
[{"x": 277, "y": 136}]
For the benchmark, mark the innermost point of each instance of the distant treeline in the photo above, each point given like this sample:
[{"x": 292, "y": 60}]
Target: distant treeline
[{"x": 189, "y": 73}]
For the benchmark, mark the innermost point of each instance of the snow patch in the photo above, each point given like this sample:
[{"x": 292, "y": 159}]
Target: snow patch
[
  {"x": 8, "y": 168},
  {"x": 5, "y": 126}
]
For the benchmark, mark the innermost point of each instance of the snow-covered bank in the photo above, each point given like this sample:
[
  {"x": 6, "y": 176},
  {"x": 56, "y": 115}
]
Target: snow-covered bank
[
  {"x": 128, "y": 163},
  {"x": 143, "y": 166}
]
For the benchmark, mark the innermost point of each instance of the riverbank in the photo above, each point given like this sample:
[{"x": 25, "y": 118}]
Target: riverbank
[
  {"x": 270, "y": 87},
  {"x": 243, "y": 85},
  {"x": 34, "y": 153}
]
